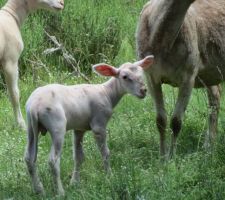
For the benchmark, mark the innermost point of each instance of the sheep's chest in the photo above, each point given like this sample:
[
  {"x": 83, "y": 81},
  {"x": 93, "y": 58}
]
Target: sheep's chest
[
  {"x": 11, "y": 45},
  {"x": 165, "y": 73}
]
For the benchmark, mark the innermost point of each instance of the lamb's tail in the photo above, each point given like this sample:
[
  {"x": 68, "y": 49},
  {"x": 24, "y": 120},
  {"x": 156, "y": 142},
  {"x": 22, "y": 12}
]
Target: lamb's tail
[{"x": 32, "y": 136}]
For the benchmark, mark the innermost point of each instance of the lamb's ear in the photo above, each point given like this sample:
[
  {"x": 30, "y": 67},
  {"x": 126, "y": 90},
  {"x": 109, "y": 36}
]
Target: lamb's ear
[
  {"x": 105, "y": 70},
  {"x": 146, "y": 62}
]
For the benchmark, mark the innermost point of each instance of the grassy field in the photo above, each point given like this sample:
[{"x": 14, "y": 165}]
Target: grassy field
[{"x": 97, "y": 31}]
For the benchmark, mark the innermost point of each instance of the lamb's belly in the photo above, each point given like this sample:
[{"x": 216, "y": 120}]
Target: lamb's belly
[
  {"x": 78, "y": 126},
  {"x": 2, "y": 45},
  {"x": 78, "y": 123}
]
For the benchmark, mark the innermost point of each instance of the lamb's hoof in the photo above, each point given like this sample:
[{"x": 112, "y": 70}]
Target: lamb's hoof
[
  {"x": 75, "y": 181},
  {"x": 109, "y": 172},
  {"x": 39, "y": 190},
  {"x": 206, "y": 145}
]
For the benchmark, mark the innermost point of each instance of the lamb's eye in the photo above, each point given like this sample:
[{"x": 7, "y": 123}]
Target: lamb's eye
[{"x": 125, "y": 77}]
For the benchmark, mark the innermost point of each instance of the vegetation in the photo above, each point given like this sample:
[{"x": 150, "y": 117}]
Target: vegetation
[{"x": 94, "y": 31}]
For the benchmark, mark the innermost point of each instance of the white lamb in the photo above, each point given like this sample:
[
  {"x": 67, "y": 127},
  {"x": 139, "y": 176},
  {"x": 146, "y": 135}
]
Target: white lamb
[
  {"x": 12, "y": 16},
  {"x": 57, "y": 108}
]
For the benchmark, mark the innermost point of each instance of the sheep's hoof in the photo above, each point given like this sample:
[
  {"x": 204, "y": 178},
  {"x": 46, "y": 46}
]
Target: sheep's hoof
[
  {"x": 163, "y": 159},
  {"x": 22, "y": 125},
  {"x": 208, "y": 144},
  {"x": 172, "y": 153},
  {"x": 61, "y": 192}
]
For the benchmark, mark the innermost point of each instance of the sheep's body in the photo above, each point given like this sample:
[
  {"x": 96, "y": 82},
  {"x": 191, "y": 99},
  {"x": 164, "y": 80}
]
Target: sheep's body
[
  {"x": 189, "y": 46},
  {"x": 57, "y": 108},
  {"x": 10, "y": 37},
  {"x": 12, "y": 16}
]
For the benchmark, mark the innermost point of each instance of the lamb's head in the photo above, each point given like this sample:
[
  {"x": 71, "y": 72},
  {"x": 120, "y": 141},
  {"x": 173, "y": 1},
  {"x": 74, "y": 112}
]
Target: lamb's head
[
  {"x": 130, "y": 75},
  {"x": 52, "y": 5}
]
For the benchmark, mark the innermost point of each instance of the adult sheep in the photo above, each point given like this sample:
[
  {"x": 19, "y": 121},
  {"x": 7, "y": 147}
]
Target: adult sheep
[
  {"x": 187, "y": 38},
  {"x": 12, "y": 16}
]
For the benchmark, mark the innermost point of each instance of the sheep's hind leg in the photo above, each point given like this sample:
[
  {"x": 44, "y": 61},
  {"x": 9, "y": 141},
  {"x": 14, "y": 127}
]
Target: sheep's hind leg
[
  {"x": 78, "y": 155},
  {"x": 214, "y": 93}
]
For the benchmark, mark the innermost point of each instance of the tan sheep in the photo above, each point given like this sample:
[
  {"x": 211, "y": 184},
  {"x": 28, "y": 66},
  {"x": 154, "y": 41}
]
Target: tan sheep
[
  {"x": 187, "y": 38},
  {"x": 12, "y": 15}
]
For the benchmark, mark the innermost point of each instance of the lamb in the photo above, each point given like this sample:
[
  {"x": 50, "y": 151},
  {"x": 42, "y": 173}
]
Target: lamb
[
  {"x": 187, "y": 38},
  {"x": 58, "y": 108},
  {"x": 12, "y": 15}
]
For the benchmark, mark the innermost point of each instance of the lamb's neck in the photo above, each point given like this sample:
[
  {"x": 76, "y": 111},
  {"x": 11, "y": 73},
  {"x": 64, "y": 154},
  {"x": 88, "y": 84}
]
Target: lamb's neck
[
  {"x": 166, "y": 22},
  {"x": 114, "y": 91},
  {"x": 18, "y": 9}
]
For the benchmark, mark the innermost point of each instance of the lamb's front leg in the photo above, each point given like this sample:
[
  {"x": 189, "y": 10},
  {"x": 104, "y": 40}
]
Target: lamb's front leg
[
  {"x": 182, "y": 101},
  {"x": 78, "y": 155},
  {"x": 10, "y": 70},
  {"x": 100, "y": 137}
]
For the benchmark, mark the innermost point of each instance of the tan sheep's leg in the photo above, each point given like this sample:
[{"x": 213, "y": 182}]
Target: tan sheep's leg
[
  {"x": 184, "y": 95},
  {"x": 10, "y": 70},
  {"x": 214, "y": 93},
  {"x": 161, "y": 119}
]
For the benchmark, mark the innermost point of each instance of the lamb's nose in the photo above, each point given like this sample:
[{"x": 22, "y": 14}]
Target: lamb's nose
[
  {"x": 143, "y": 91},
  {"x": 62, "y": 2}
]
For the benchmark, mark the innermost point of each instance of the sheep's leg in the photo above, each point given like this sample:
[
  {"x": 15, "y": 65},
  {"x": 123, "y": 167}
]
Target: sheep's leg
[
  {"x": 161, "y": 119},
  {"x": 10, "y": 70},
  {"x": 54, "y": 158},
  {"x": 214, "y": 106},
  {"x": 78, "y": 155},
  {"x": 30, "y": 158},
  {"x": 182, "y": 101},
  {"x": 100, "y": 137}
]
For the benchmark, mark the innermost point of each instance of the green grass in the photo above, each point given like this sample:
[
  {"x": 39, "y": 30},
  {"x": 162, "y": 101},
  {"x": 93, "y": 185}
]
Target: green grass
[
  {"x": 96, "y": 31},
  {"x": 137, "y": 172}
]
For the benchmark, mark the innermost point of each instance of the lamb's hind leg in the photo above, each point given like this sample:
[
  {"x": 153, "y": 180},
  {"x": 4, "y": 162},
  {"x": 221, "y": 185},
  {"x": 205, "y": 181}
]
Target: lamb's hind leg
[
  {"x": 214, "y": 93},
  {"x": 10, "y": 70},
  {"x": 54, "y": 158},
  {"x": 78, "y": 155},
  {"x": 30, "y": 158}
]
